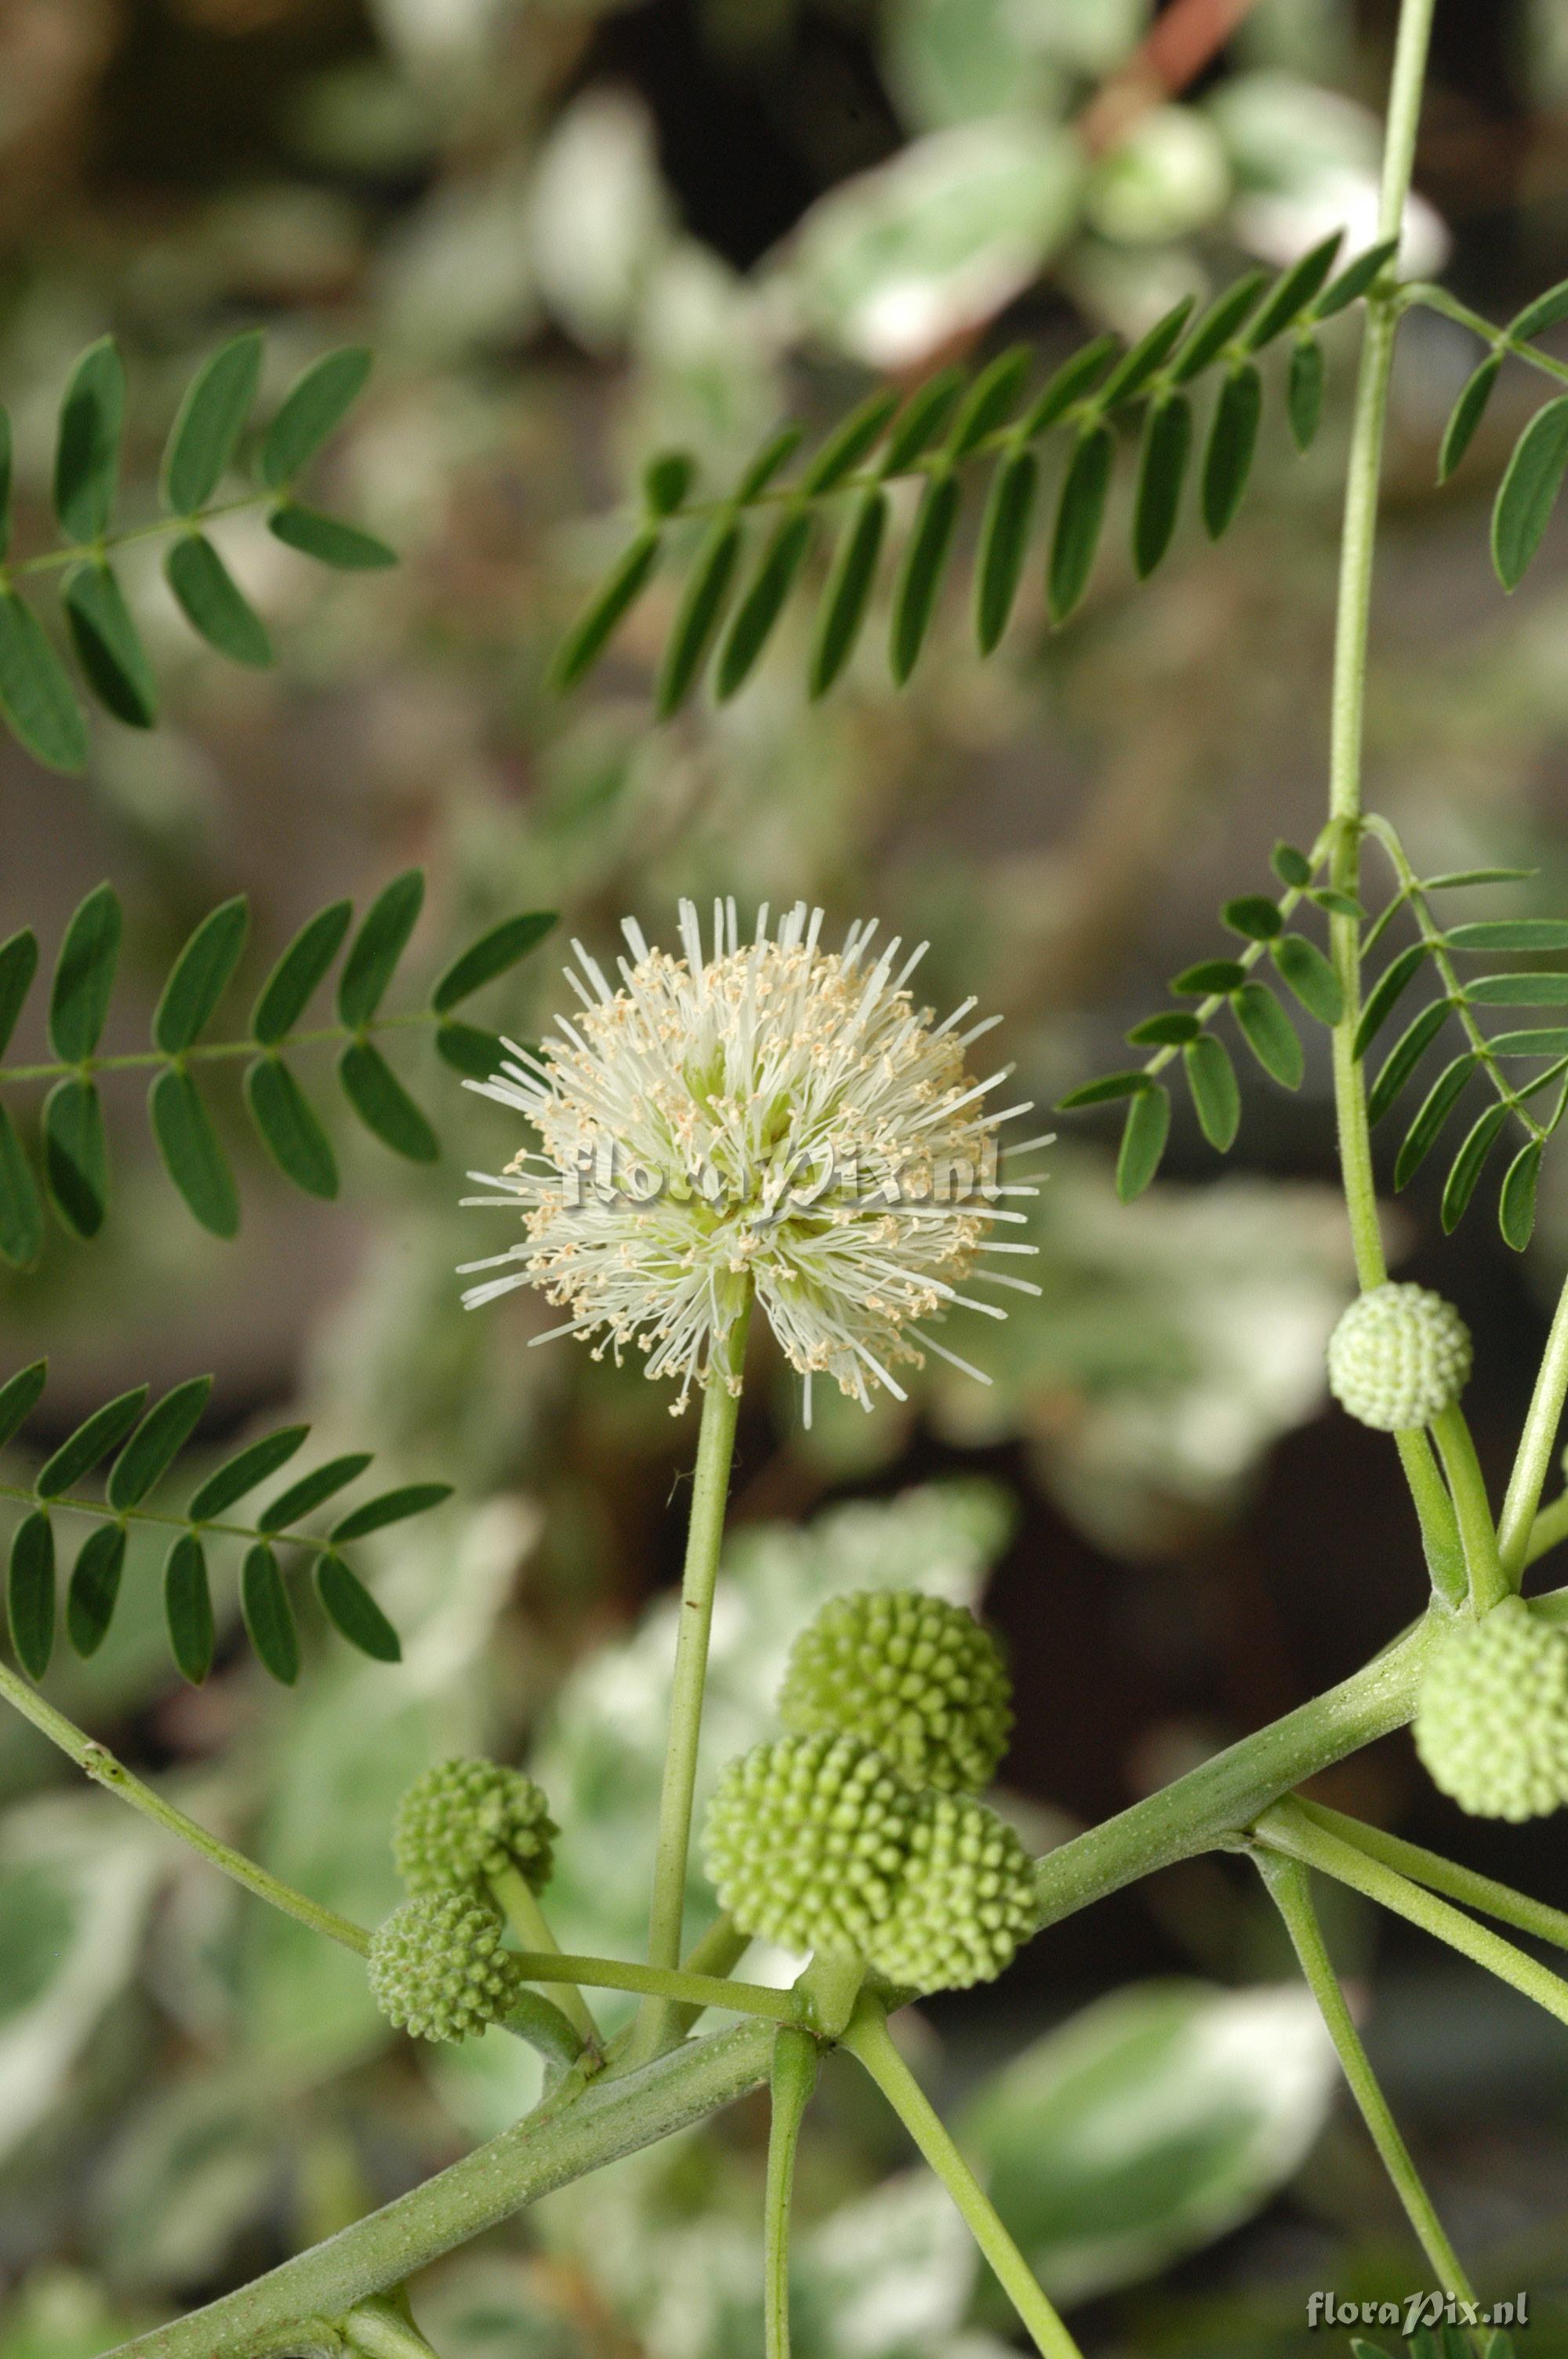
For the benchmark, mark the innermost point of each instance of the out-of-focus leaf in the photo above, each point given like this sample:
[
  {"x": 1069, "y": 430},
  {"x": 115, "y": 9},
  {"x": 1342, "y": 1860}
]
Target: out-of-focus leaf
[
  {"x": 384, "y": 1106},
  {"x": 188, "y": 1608},
  {"x": 469, "y": 1049},
  {"x": 36, "y": 696},
  {"x": 21, "y": 1208},
  {"x": 1529, "y": 490},
  {"x": 212, "y": 419},
  {"x": 1143, "y": 1140},
  {"x": 1162, "y": 471},
  {"x": 701, "y": 607},
  {"x": 290, "y": 1127},
  {"x": 1293, "y": 293},
  {"x": 192, "y": 1153},
  {"x": 764, "y": 603},
  {"x": 84, "y": 975},
  {"x": 1004, "y": 544},
  {"x": 313, "y": 408},
  {"x": 76, "y": 1156},
  {"x": 30, "y": 1592},
  {"x": 588, "y": 637},
  {"x": 377, "y": 947},
  {"x": 991, "y": 400},
  {"x": 108, "y": 645},
  {"x": 299, "y": 971},
  {"x": 844, "y": 602},
  {"x": 353, "y": 1612},
  {"x": 1216, "y": 327},
  {"x": 269, "y": 1616},
  {"x": 200, "y": 975},
  {"x": 92, "y": 1441},
  {"x": 94, "y": 1588},
  {"x": 1073, "y": 382},
  {"x": 213, "y": 603},
  {"x": 1354, "y": 278},
  {"x": 245, "y": 1470},
  {"x": 86, "y": 456},
  {"x": 850, "y": 442},
  {"x": 329, "y": 539},
  {"x": 1080, "y": 512},
  {"x": 158, "y": 1442},
  {"x": 1303, "y": 392},
  {"x": 1232, "y": 440},
  {"x": 1544, "y": 312},
  {"x": 1136, "y": 366},
  {"x": 20, "y": 1396},
  {"x": 18, "y": 965},
  {"x": 1152, "y": 2123},
  {"x": 921, "y": 574}
]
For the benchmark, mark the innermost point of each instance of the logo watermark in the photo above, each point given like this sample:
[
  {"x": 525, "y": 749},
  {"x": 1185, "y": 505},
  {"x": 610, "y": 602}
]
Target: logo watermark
[
  {"x": 1418, "y": 2311},
  {"x": 782, "y": 1188}
]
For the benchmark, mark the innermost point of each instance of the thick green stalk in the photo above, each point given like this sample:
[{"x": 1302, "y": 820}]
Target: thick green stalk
[
  {"x": 869, "y": 2040},
  {"x": 1482, "y": 1564},
  {"x": 1291, "y": 1891},
  {"x": 1440, "y": 1544},
  {"x": 1465, "y": 1885},
  {"x": 1214, "y": 1802},
  {"x": 585, "y": 2125},
  {"x": 103, "y": 1769},
  {"x": 790, "y": 2083},
  {"x": 705, "y": 1536},
  {"x": 1517, "y": 1527},
  {"x": 1286, "y": 1828}
]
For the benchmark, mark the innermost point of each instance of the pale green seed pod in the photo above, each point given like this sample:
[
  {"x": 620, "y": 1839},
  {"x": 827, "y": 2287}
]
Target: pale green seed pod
[
  {"x": 912, "y": 1674},
  {"x": 463, "y": 1821},
  {"x": 436, "y": 1967},
  {"x": 806, "y": 1842},
  {"x": 1399, "y": 1357},
  {"x": 965, "y": 1902},
  {"x": 1491, "y": 1724}
]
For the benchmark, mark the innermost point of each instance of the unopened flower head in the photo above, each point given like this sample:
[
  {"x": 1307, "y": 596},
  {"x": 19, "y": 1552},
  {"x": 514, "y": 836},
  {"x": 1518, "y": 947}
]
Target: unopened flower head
[{"x": 775, "y": 1119}]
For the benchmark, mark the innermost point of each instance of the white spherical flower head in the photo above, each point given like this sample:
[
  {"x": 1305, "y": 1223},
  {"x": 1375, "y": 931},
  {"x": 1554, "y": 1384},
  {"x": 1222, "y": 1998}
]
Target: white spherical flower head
[{"x": 777, "y": 1120}]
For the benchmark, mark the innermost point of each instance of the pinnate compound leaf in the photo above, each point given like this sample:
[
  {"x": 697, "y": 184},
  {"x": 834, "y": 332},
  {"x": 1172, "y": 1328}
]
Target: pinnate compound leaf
[
  {"x": 1529, "y": 490},
  {"x": 1303, "y": 392},
  {"x": 353, "y": 1612},
  {"x": 850, "y": 444},
  {"x": 193, "y": 1153},
  {"x": 20, "y": 1396},
  {"x": 1460, "y": 1185},
  {"x": 1404, "y": 1057},
  {"x": 84, "y": 974},
  {"x": 30, "y": 1592},
  {"x": 158, "y": 1442},
  {"x": 392, "y": 1507},
  {"x": 1515, "y": 1205},
  {"x": 606, "y": 610},
  {"x": 199, "y": 976},
  {"x": 311, "y": 1490},
  {"x": 314, "y": 407},
  {"x": 1270, "y": 1034},
  {"x": 1386, "y": 995},
  {"x": 1232, "y": 440},
  {"x": 753, "y": 624},
  {"x": 94, "y": 1438},
  {"x": 765, "y": 465},
  {"x": 346, "y": 547},
  {"x": 1467, "y": 415},
  {"x": 1211, "y": 1078},
  {"x": 268, "y": 1616},
  {"x": 290, "y": 1128},
  {"x": 1510, "y": 934},
  {"x": 212, "y": 419},
  {"x": 921, "y": 421},
  {"x": 299, "y": 970},
  {"x": 494, "y": 953},
  {"x": 21, "y": 1207},
  {"x": 18, "y": 965},
  {"x": 991, "y": 400},
  {"x": 921, "y": 574},
  {"x": 36, "y": 695},
  {"x": 1292, "y": 292},
  {"x": 76, "y": 1156},
  {"x": 1354, "y": 278},
  {"x": 188, "y": 1608},
  {"x": 245, "y": 1470},
  {"x": 701, "y": 609},
  {"x": 108, "y": 645},
  {"x": 1439, "y": 1103},
  {"x": 1218, "y": 325},
  {"x": 87, "y": 455},
  {"x": 1543, "y": 313},
  {"x": 94, "y": 1588},
  {"x": 384, "y": 1106},
  {"x": 1003, "y": 544},
  {"x": 1143, "y": 1137},
  {"x": 1139, "y": 362},
  {"x": 1080, "y": 512},
  {"x": 213, "y": 603},
  {"x": 1302, "y": 966},
  {"x": 1161, "y": 474},
  {"x": 377, "y": 947},
  {"x": 849, "y": 591}
]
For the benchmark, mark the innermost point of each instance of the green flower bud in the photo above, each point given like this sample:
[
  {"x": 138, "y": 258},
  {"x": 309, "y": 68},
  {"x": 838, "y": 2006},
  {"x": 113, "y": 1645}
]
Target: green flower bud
[
  {"x": 1399, "y": 1357},
  {"x": 912, "y": 1674},
  {"x": 463, "y": 1821},
  {"x": 436, "y": 1967},
  {"x": 805, "y": 1841},
  {"x": 966, "y": 1903},
  {"x": 1491, "y": 1724}
]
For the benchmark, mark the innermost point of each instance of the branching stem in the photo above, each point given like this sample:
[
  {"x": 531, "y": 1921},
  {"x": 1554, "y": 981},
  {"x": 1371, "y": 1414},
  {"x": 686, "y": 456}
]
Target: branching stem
[
  {"x": 1465, "y": 1885},
  {"x": 790, "y": 2083},
  {"x": 1489, "y": 1583}
]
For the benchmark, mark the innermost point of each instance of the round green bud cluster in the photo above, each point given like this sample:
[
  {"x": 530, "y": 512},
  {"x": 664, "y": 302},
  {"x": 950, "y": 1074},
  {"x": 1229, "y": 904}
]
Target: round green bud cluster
[
  {"x": 817, "y": 1843},
  {"x": 463, "y": 1821},
  {"x": 1491, "y": 1724},
  {"x": 436, "y": 1967},
  {"x": 1399, "y": 1357},
  {"x": 912, "y": 1674},
  {"x": 966, "y": 1903}
]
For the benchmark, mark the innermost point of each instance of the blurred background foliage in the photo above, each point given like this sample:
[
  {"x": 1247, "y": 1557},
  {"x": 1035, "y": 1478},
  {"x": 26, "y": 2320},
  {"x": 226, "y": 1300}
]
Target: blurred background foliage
[{"x": 573, "y": 231}]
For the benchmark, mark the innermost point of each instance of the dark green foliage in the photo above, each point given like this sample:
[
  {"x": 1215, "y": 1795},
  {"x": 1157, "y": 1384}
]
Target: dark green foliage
[
  {"x": 75, "y": 1147},
  {"x": 920, "y": 576},
  {"x": 1143, "y": 1138},
  {"x": 1529, "y": 490},
  {"x": 155, "y": 1440},
  {"x": 205, "y": 435},
  {"x": 1467, "y": 416}
]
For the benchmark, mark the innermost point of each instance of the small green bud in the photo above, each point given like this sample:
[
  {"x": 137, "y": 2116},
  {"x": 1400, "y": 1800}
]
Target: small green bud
[
  {"x": 1491, "y": 1724},
  {"x": 1399, "y": 1357},
  {"x": 436, "y": 1967},
  {"x": 805, "y": 1841},
  {"x": 463, "y": 1821},
  {"x": 912, "y": 1674},
  {"x": 967, "y": 1900}
]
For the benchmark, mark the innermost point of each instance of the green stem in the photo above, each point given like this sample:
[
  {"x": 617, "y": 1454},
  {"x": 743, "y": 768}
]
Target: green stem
[
  {"x": 1438, "y": 299},
  {"x": 1289, "y": 1889},
  {"x": 1516, "y": 1529},
  {"x": 1286, "y": 1828},
  {"x": 142, "y": 1061},
  {"x": 1440, "y": 1543},
  {"x": 587, "y": 2123},
  {"x": 101, "y": 1766},
  {"x": 1214, "y": 1802},
  {"x": 870, "y": 2042},
  {"x": 102, "y": 1508},
  {"x": 90, "y": 552},
  {"x": 521, "y": 1907},
  {"x": 670, "y": 1982},
  {"x": 1488, "y": 1583},
  {"x": 1550, "y": 1527},
  {"x": 704, "y": 1535},
  {"x": 1465, "y": 1885},
  {"x": 794, "y": 2077}
]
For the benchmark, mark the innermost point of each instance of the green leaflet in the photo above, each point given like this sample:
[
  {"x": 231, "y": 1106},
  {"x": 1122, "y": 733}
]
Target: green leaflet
[
  {"x": 764, "y": 603},
  {"x": 1143, "y": 1140},
  {"x": 87, "y": 455},
  {"x": 1467, "y": 415},
  {"x": 315, "y": 405},
  {"x": 94, "y": 1588},
  {"x": 849, "y": 443},
  {"x": 1143, "y": 359},
  {"x": 245, "y": 1470},
  {"x": 91, "y": 1441},
  {"x": 193, "y": 1153},
  {"x": 1270, "y": 1034},
  {"x": 299, "y": 970},
  {"x": 1209, "y": 976},
  {"x": 1218, "y": 325},
  {"x": 991, "y": 400},
  {"x": 30, "y": 1592},
  {"x": 1173, "y": 1027},
  {"x": 268, "y": 1616},
  {"x": 188, "y": 1608},
  {"x": 84, "y": 975},
  {"x": 199, "y": 976},
  {"x": 1467, "y": 1166},
  {"x": 21, "y": 1207},
  {"x": 1303, "y": 392},
  {"x": 1161, "y": 472},
  {"x": 384, "y": 1106},
  {"x": 1404, "y": 1057},
  {"x": 329, "y": 539},
  {"x": 76, "y": 1156},
  {"x": 1211, "y": 1079},
  {"x": 1232, "y": 440},
  {"x": 18, "y": 965},
  {"x": 1105, "y": 1090},
  {"x": 701, "y": 608},
  {"x": 468, "y": 1050},
  {"x": 1515, "y": 1205},
  {"x": 290, "y": 1128},
  {"x": 158, "y": 1442},
  {"x": 1385, "y": 995},
  {"x": 589, "y": 635},
  {"x": 19, "y": 1397},
  {"x": 1529, "y": 490},
  {"x": 845, "y": 599},
  {"x": 1354, "y": 278},
  {"x": 1080, "y": 512},
  {"x": 921, "y": 573},
  {"x": 377, "y": 947},
  {"x": 36, "y": 696},
  {"x": 1301, "y": 965},
  {"x": 1291, "y": 293},
  {"x": 108, "y": 645},
  {"x": 493, "y": 954},
  {"x": 214, "y": 604},
  {"x": 212, "y": 419},
  {"x": 311, "y": 1489},
  {"x": 1252, "y": 915},
  {"x": 666, "y": 480},
  {"x": 353, "y": 1612},
  {"x": 392, "y": 1507},
  {"x": 1510, "y": 933},
  {"x": 1003, "y": 544},
  {"x": 1438, "y": 1105},
  {"x": 921, "y": 421}
]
